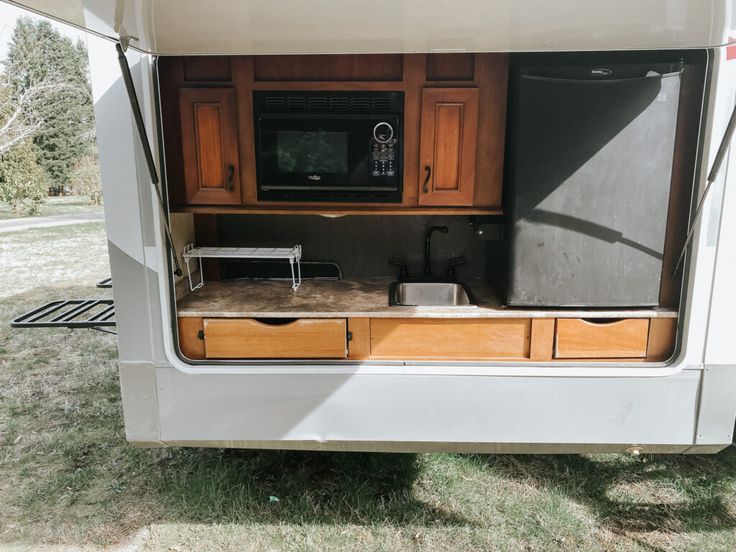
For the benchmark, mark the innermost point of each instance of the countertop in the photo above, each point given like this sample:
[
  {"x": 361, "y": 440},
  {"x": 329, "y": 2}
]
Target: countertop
[{"x": 362, "y": 298}]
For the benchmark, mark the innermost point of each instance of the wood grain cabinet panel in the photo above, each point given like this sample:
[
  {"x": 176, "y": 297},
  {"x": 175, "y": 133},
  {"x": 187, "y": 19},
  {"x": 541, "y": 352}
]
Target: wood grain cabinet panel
[
  {"x": 359, "y": 340},
  {"x": 451, "y": 67},
  {"x": 543, "y": 338},
  {"x": 447, "y": 339},
  {"x": 449, "y": 127},
  {"x": 251, "y": 338},
  {"x": 210, "y": 146},
  {"x": 328, "y": 68},
  {"x": 662, "y": 336},
  {"x": 579, "y": 339},
  {"x": 191, "y": 344}
]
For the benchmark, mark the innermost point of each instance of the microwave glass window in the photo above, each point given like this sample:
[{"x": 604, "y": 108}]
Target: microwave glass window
[{"x": 315, "y": 151}]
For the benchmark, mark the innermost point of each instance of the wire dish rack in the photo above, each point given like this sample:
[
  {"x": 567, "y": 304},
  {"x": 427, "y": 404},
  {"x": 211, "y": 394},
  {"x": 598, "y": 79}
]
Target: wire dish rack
[{"x": 293, "y": 255}]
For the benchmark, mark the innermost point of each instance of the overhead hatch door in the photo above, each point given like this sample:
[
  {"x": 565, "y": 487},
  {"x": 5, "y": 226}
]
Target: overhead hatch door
[{"x": 380, "y": 26}]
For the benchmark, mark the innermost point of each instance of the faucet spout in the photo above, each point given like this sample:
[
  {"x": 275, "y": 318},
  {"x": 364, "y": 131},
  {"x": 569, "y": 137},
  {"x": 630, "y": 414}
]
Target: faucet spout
[{"x": 427, "y": 247}]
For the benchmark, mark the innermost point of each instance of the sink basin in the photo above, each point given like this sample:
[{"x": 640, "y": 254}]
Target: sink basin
[{"x": 430, "y": 294}]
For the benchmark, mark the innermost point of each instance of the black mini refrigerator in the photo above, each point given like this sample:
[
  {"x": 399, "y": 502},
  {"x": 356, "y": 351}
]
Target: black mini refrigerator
[{"x": 589, "y": 169}]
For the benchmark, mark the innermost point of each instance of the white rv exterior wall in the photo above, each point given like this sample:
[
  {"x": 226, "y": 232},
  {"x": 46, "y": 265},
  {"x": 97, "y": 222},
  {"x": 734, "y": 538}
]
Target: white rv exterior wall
[{"x": 405, "y": 406}]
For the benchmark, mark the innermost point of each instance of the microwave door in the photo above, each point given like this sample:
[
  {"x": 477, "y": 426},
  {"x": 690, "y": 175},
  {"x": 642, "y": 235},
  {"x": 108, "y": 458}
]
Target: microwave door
[{"x": 319, "y": 157}]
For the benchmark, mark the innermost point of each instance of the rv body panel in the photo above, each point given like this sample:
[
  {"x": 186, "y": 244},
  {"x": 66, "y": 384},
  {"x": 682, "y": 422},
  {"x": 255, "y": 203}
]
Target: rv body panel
[{"x": 686, "y": 405}]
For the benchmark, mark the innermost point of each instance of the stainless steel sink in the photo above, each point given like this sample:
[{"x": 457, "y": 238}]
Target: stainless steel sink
[{"x": 430, "y": 294}]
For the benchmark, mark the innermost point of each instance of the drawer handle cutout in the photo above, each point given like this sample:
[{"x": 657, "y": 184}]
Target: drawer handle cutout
[
  {"x": 603, "y": 321},
  {"x": 275, "y": 321}
]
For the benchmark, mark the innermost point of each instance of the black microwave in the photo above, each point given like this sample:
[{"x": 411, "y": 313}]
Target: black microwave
[{"x": 328, "y": 146}]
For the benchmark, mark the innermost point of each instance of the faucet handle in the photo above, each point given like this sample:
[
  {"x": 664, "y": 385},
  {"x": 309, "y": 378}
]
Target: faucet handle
[
  {"x": 403, "y": 272},
  {"x": 453, "y": 264}
]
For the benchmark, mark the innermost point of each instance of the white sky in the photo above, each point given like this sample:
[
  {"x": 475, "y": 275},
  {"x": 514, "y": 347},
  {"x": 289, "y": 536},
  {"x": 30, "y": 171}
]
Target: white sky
[{"x": 8, "y": 15}]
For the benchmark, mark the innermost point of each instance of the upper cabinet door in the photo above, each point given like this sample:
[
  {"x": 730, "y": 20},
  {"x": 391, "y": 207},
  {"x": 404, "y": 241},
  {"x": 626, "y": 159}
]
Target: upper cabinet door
[
  {"x": 448, "y": 143},
  {"x": 210, "y": 145}
]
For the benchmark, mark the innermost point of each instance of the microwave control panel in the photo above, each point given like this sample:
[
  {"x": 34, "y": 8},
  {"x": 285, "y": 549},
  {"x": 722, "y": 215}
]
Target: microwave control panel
[{"x": 383, "y": 150}]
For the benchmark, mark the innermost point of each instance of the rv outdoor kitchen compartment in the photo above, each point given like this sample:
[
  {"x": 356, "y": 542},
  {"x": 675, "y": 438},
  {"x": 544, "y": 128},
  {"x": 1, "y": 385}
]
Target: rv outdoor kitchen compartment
[{"x": 589, "y": 155}]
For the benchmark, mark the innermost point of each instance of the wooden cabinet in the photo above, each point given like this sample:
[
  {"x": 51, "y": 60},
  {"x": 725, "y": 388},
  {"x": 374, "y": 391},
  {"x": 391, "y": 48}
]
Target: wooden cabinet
[
  {"x": 453, "y": 128},
  {"x": 210, "y": 146},
  {"x": 539, "y": 339},
  {"x": 449, "y": 127}
]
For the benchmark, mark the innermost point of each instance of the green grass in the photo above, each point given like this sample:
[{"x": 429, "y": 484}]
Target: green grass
[
  {"x": 68, "y": 477},
  {"x": 55, "y": 206},
  {"x": 58, "y": 256}
]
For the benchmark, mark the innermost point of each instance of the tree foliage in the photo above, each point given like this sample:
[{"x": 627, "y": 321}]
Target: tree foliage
[
  {"x": 85, "y": 179},
  {"x": 23, "y": 183},
  {"x": 39, "y": 56},
  {"x": 19, "y": 118}
]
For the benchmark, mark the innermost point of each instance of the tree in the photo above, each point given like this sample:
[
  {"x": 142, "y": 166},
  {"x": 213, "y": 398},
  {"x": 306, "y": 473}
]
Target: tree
[
  {"x": 85, "y": 179},
  {"x": 62, "y": 117},
  {"x": 23, "y": 183},
  {"x": 18, "y": 120}
]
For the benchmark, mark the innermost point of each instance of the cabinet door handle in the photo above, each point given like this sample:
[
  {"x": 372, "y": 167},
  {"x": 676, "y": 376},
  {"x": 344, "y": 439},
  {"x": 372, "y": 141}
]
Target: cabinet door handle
[
  {"x": 425, "y": 188},
  {"x": 230, "y": 175}
]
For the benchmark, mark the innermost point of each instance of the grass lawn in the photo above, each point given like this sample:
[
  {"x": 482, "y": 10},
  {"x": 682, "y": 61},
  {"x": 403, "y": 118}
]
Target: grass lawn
[
  {"x": 69, "y": 480},
  {"x": 60, "y": 205}
]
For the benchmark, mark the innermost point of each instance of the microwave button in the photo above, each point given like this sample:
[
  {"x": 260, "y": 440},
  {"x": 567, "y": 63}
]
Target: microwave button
[{"x": 383, "y": 132}]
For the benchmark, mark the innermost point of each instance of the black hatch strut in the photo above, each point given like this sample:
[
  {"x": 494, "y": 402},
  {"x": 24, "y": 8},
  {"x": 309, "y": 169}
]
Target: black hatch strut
[
  {"x": 712, "y": 175},
  {"x": 121, "y": 46}
]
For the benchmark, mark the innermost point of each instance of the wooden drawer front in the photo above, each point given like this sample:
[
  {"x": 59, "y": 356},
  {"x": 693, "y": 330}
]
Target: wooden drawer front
[
  {"x": 440, "y": 339},
  {"x": 249, "y": 338},
  {"x": 576, "y": 338}
]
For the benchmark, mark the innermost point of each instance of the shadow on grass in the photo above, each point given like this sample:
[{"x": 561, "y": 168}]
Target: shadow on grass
[
  {"x": 658, "y": 493},
  {"x": 216, "y": 486}
]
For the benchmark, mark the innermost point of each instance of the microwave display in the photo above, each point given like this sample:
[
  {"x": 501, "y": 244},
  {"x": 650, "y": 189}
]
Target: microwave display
[{"x": 328, "y": 146}]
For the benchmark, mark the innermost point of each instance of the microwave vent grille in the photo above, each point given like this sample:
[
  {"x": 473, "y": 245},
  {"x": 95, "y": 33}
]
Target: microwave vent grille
[
  {"x": 361, "y": 104},
  {"x": 275, "y": 102},
  {"x": 339, "y": 103},
  {"x": 321, "y": 103},
  {"x": 380, "y": 104},
  {"x": 296, "y": 102}
]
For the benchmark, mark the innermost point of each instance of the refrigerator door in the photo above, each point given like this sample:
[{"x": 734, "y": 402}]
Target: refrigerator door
[{"x": 590, "y": 167}]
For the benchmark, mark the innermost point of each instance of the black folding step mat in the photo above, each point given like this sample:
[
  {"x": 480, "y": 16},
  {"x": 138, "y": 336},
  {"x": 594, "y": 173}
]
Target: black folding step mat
[{"x": 95, "y": 314}]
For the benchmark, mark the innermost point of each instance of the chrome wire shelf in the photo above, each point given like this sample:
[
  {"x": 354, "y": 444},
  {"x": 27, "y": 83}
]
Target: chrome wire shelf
[{"x": 293, "y": 255}]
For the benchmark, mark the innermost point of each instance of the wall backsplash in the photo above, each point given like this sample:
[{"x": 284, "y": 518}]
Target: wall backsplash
[{"x": 363, "y": 244}]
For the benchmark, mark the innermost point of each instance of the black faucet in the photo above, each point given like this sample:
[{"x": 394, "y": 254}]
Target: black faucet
[{"x": 427, "y": 245}]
